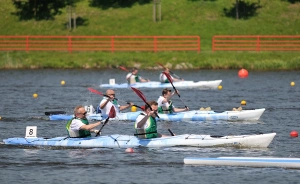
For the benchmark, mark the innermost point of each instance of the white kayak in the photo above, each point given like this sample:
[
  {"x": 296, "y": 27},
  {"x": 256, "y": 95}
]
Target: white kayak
[
  {"x": 194, "y": 115},
  {"x": 180, "y": 85},
  {"x": 245, "y": 161},
  {"x": 126, "y": 141}
]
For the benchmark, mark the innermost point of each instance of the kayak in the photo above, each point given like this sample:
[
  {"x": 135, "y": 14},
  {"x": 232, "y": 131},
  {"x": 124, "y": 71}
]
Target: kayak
[
  {"x": 245, "y": 161},
  {"x": 130, "y": 141},
  {"x": 194, "y": 115},
  {"x": 180, "y": 85}
]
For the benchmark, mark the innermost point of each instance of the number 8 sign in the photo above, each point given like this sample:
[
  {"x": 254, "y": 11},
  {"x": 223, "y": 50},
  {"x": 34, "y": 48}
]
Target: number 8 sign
[{"x": 31, "y": 131}]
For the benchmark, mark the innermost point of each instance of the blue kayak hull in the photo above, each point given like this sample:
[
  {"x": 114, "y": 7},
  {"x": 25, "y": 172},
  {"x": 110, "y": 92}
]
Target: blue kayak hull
[
  {"x": 195, "y": 115},
  {"x": 126, "y": 141}
]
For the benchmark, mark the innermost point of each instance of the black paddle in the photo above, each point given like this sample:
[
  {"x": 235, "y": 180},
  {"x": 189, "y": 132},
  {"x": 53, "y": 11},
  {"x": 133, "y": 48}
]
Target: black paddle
[
  {"x": 54, "y": 113},
  {"x": 170, "y": 71},
  {"x": 170, "y": 80}
]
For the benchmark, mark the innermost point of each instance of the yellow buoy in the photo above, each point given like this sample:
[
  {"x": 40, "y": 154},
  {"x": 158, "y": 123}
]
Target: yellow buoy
[
  {"x": 243, "y": 102},
  {"x": 62, "y": 82},
  {"x": 220, "y": 87},
  {"x": 292, "y": 83},
  {"x": 133, "y": 108},
  {"x": 0, "y": 117},
  {"x": 35, "y": 95}
]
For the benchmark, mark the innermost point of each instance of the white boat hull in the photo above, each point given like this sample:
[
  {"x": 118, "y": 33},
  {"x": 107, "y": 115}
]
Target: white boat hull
[
  {"x": 194, "y": 115},
  {"x": 245, "y": 161},
  {"x": 180, "y": 85}
]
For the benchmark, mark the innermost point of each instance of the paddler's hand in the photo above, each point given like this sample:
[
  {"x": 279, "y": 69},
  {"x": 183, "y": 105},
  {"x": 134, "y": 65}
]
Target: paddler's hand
[
  {"x": 187, "y": 108},
  {"x": 95, "y": 131}
]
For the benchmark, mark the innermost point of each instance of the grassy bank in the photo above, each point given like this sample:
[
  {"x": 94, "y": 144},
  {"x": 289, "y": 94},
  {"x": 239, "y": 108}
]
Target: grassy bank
[{"x": 179, "y": 17}]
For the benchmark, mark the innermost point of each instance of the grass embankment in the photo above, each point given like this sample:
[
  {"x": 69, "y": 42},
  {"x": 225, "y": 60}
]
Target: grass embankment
[{"x": 190, "y": 17}]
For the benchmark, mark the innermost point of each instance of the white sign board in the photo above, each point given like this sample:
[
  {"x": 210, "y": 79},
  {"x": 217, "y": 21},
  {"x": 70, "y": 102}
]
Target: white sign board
[
  {"x": 112, "y": 82},
  {"x": 31, "y": 132}
]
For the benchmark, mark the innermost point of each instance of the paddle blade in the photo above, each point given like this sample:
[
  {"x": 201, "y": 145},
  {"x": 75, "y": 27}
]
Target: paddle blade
[
  {"x": 161, "y": 65},
  {"x": 123, "y": 68},
  {"x": 54, "y": 113},
  {"x": 140, "y": 94},
  {"x": 95, "y": 91},
  {"x": 168, "y": 76},
  {"x": 112, "y": 112}
]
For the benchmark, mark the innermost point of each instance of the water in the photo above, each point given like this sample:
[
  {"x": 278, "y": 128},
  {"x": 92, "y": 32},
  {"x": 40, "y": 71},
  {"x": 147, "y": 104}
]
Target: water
[{"x": 270, "y": 90}]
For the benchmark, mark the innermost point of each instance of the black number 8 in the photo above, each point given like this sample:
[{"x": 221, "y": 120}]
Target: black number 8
[{"x": 30, "y": 131}]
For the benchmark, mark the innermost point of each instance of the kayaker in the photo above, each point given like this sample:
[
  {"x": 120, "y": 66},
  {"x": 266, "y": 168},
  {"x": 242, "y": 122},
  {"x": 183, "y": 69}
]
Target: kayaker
[
  {"x": 79, "y": 127},
  {"x": 165, "y": 105},
  {"x": 145, "y": 123},
  {"x": 133, "y": 77},
  {"x": 109, "y": 100},
  {"x": 163, "y": 78}
]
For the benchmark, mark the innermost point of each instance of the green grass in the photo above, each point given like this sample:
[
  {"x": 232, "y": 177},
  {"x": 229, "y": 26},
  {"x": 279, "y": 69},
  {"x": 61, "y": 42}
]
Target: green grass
[{"x": 179, "y": 17}]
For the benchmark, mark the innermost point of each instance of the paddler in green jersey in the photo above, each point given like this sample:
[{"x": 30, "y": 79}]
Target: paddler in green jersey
[
  {"x": 133, "y": 77},
  {"x": 79, "y": 127},
  {"x": 145, "y": 124},
  {"x": 165, "y": 105},
  {"x": 163, "y": 78}
]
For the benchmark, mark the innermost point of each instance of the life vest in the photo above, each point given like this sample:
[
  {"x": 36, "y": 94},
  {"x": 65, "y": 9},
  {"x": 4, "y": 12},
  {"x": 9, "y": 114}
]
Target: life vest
[
  {"x": 133, "y": 79},
  {"x": 80, "y": 133},
  {"x": 165, "y": 109},
  {"x": 163, "y": 78},
  {"x": 148, "y": 133}
]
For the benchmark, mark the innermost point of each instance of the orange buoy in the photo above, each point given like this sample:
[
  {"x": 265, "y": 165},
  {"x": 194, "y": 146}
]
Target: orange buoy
[
  {"x": 129, "y": 150},
  {"x": 243, "y": 73},
  {"x": 294, "y": 133}
]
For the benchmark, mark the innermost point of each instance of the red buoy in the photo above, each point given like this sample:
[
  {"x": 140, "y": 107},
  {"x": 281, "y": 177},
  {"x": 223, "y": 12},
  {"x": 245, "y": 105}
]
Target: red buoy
[
  {"x": 243, "y": 73},
  {"x": 129, "y": 150},
  {"x": 294, "y": 133}
]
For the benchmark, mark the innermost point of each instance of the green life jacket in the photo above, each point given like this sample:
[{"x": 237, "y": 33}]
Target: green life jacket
[
  {"x": 148, "y": 133},
  {"x": 137, "y": 78},
  {"x": 82, "y": 133},
  {"x": 169, "y": 109}
]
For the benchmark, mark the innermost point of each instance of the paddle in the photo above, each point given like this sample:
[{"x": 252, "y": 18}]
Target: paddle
[
  {"x": 99, "y": 93},
  {"x": 54, "y": 113},
  {"x": 141, "y": 95},
  {"x": 170, "y": 71},
  {"x": 123, "y": 68},
  {"x": 112, "y": 114},
  {"x": 170, "y": 80}
]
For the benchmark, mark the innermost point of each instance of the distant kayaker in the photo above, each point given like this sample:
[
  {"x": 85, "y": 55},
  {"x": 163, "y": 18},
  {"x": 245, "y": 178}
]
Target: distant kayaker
[
  {"x": 163, "y": 78},
  {"x": 145, "y": 124},
  {"x": 165, "y": 105},
  {"x": 108, "y": 101},
  {"x": 133, "y": 77},
  {"x": 79, "y": 127}
]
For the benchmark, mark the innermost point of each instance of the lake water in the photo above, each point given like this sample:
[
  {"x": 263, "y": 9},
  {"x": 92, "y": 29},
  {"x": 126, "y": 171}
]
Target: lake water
[{"x": 270, "y": 90}]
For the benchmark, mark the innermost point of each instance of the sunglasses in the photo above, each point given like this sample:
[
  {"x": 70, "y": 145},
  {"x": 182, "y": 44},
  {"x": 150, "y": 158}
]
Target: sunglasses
[
  {"x": 113, "y": 94},
  {"x": 83, "y": 113}
]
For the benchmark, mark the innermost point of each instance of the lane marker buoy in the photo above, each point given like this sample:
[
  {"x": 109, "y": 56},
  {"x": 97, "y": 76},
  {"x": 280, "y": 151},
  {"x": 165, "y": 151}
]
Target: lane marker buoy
[
  {"x": 129, "y": 150},
  {"x": 243, "y": 73},
  {"x": 35, "y": 95},
  {"x": 62, "y": 82},
  {"x": 243, "y": 102},
  {"x": 294, "y": 133},
  {"x": 220, "y": 87},
  {"x": 292, "y": 83}
]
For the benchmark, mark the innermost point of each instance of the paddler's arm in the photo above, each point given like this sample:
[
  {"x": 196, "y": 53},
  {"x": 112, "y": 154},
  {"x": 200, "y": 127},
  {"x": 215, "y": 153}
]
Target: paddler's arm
[
  {"x": 143, "y": 121},
  {"x": 104, "y": 104},
  {"x": 90, "y": 126},
  {"x": 126, "y": 106}
]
